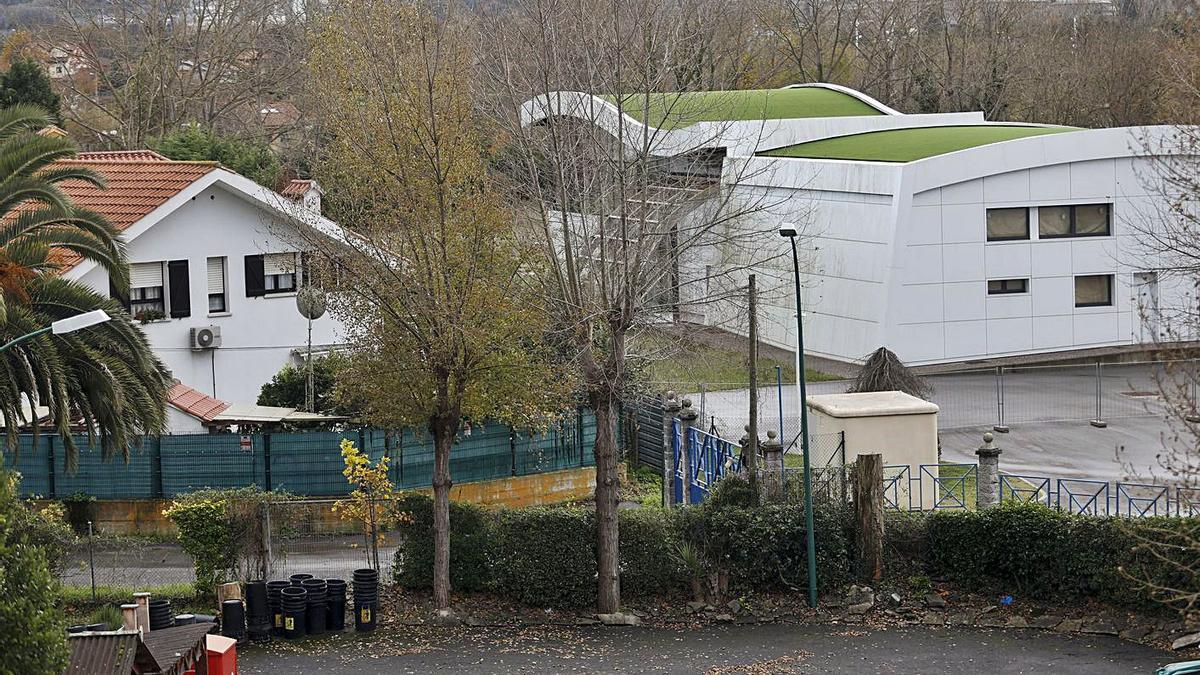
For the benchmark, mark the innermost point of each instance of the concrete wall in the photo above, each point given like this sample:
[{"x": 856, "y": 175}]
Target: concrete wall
[
  {"x": 145, "y": 516},
  {"x": 258, "y": 334}
]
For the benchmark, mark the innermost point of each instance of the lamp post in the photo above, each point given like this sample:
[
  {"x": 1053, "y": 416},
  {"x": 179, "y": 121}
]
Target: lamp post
[
  {"x": 67, "y": 325},
  {"x": 790, "y": 234}
]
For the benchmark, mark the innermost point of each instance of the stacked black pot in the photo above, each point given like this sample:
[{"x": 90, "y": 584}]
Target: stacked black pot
[
  {"x": 366, "y": 599},
  {"x": 233, "y": 619},
  {"x": 274, "y": 605},
  {"x": 160, "y": 614},
  {"x": 297, "y": 579},
  {"x": 294, "y": 601},
  {"x": 258, "y": 612},
  {"x": 316, "y": 589},
  {"x": 335, "y": 618}
]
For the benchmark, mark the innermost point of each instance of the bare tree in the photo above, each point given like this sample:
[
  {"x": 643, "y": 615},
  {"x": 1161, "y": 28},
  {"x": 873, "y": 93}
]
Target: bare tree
[
  {"x": 140, "y": 69},
  {"x": 634, "y": 232}
]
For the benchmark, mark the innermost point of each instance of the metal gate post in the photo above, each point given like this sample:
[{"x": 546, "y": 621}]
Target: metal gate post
[
  {"x": 1000, "y": 427},
  {"x": 1099, "y": 422}
]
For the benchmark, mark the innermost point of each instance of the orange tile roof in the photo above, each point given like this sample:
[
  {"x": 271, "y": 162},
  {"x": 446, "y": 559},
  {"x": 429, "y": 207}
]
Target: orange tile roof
[
  {"x": 296, "y": 188},
  {"x": 137, "y": 183},
  {"x": 195, "y": 403}
]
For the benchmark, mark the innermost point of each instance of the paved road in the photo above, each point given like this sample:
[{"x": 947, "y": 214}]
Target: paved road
[
  {"x": 766, "y": 649},
  {"x": 1048, "y": 410}
]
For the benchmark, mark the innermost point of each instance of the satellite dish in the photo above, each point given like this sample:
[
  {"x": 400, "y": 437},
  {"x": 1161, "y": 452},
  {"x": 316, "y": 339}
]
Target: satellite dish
[{"x": 310, "y": 300}]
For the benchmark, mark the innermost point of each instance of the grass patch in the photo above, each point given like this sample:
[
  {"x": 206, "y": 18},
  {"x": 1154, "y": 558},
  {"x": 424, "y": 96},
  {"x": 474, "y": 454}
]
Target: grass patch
[
  {"x": 675, "y": 110},
  {"x": 907, "y": 145},
  {"x": 644, "y": 486},
  {"x": 718, "y": 368},
  {"x": 118, "y": 594}
]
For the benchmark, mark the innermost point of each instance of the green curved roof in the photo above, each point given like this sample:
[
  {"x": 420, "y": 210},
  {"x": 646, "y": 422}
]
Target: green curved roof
[
  {"x": 907, "y": 145},
  {"x": 675, "y": 110}
]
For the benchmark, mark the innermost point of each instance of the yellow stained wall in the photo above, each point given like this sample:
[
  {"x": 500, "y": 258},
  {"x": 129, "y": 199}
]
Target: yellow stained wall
[{"x": 144, "y": 516}]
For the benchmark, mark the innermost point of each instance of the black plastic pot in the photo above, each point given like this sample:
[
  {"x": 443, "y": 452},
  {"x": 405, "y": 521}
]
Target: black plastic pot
[
  {"x": 335, "y": 613},
  {"x": 184, "y": 619},
  {"x": 274, "y": 606},
  {"x": 366, "y": 599},
  {"x": 258, "y": 613},
  {"x": 160, "y": 614},
  {"x": 316, "y": 599},
  {"x": 294, "y": 603},
  {"x": 233, "y": 619},
  {"x": 297, "y": 578}
]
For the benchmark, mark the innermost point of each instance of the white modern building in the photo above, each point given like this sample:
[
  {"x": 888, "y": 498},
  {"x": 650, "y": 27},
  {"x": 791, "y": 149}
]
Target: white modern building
[
  {"x": 943, "y": 237},
  {"x": 215, "y": 263}
]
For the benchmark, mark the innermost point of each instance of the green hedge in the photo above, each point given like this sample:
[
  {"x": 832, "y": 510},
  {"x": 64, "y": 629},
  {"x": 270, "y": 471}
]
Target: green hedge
[
  {"x": 1045, "y": 554},
  {"x": 546, "y": 557}
]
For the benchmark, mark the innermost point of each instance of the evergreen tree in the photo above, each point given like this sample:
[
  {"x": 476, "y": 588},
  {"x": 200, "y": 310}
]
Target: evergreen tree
[
  {"x": 249, "y": 158},
  {"x": 33, "y": 639},
  {"x": 27, "y": 82}
]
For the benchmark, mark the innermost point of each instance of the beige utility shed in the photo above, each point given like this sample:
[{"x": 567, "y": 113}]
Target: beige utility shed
[{"x": 901, "y": 427}]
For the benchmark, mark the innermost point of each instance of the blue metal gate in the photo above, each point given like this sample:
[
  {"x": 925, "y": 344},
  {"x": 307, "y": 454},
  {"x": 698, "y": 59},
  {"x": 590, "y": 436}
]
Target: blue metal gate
[{"x": 709, "y": 458}]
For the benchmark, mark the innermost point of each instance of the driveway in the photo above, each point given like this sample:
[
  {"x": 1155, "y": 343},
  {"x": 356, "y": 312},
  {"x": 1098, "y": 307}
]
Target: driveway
[
  {"x": 1047, "y": 409},
  {"x": 763, "y": 649}
]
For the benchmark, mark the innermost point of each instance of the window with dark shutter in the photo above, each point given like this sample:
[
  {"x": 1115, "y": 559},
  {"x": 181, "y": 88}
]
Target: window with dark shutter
[
  {"x": 255, "y": 277},
  {"x": 179, "y": 289},
  {"x": 121, "y": 298}
]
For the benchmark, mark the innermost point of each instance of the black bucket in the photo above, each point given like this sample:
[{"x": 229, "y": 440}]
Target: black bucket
[
  {"x": 233, "y": 619},
  {"x": 185, "y": 619},
  {"x": 258, "y": 613},
  {"x": 294, "y": 601},
  {"x": 317, "y": 594},
  {"x": 366, "y": 599},
  {"x": 160, "y": 614},
  {"x": 296, "y": 579},
  {"x": 335, "y": 613},
  {"x": 274, "y": 606}
]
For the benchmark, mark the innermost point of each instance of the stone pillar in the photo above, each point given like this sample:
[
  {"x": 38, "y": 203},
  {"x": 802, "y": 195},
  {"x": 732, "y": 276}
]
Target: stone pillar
[
  {"x": 670, "y": 412},
  {"x": 771, "y": 479},
  {"x": 988, "y": 474},
  {"x": 687, "y": 418}
]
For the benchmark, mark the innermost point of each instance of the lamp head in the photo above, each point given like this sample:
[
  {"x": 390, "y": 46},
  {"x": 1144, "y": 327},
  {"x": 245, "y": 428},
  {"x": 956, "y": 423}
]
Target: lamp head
[
  {"x": 787, "y": 231},
  {"x": 78, "y": 322}
]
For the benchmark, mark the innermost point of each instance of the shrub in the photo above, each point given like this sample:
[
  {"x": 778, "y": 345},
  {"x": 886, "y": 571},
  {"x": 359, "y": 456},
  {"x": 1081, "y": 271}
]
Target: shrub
[
  {"x": 47, "y": 529},
  {"x": 80, "y": 510},
  {"x": 650, "y": 564},
  {"x": 32, "y": 638},
  {"x": 471, "y": 531},
  {"x": 204, "y": 534},
  {"x": 546, "y": 557}
]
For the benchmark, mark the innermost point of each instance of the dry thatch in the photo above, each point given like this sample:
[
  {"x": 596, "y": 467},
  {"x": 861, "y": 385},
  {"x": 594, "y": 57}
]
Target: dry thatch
[{"x": 883, "y": 371}]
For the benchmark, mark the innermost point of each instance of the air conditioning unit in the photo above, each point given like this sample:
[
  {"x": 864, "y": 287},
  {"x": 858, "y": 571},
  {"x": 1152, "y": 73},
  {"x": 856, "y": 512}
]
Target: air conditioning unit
[{"x": 206, "y": 337}]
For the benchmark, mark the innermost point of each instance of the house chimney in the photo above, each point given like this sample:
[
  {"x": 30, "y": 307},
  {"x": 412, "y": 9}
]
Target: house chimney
[
  {"x": 143, "y": 611},
  {"x": 305, "y": 192},
  {"x": 129, "y": 617}
]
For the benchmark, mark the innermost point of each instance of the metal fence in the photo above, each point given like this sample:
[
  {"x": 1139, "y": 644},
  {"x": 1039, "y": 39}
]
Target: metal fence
[
  {"x": 949, "y": 486},
  {"x": 303, "y": 463}
]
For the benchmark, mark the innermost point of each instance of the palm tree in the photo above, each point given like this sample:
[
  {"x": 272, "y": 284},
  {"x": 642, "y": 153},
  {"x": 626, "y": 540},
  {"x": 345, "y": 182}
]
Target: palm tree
[{"x": 105, "y": 379}]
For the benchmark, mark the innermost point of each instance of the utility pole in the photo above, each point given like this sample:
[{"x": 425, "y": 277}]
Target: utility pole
[{"x": 751, "y": 451}]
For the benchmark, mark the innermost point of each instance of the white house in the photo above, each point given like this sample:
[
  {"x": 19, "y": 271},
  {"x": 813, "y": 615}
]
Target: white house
[
  {"x": 944, "y": 237},
  {"x": 215, "y": 262}
]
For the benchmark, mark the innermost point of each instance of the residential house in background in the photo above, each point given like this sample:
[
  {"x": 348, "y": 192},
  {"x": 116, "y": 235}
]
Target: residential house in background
[{"x": 215, "y": 263}]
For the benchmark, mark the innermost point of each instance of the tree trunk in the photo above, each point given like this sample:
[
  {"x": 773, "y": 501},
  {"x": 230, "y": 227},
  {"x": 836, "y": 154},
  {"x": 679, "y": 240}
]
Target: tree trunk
[
  {"x": 443, "y": 440},
  {"x": 868, "y": 517},
  {"x": 608, "y": 490}
]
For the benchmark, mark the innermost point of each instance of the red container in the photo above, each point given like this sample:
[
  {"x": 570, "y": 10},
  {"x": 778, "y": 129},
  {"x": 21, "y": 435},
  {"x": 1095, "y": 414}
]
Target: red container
[{"x": 222, "y": 655}]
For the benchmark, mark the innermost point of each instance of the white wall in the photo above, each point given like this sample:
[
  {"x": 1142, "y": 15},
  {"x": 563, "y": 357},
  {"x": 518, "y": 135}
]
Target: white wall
[{"x": 258, "y": 334}]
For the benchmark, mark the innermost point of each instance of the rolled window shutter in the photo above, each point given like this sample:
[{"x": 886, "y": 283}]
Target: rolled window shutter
[
  {"x": 255, "y": 281},
  {"x": 181, "y": 296},
  {"x": 216, "y": 276},
  {"x": 145, "y": 275},
  {"x": 279, "y": 263}
]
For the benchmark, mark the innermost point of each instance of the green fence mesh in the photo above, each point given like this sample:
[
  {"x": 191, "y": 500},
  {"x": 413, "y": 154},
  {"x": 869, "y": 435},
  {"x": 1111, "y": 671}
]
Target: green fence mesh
[{"x": 303, "y": 463}]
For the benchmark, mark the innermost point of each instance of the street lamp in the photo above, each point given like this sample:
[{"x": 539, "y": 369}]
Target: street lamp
[
  {"x": 790, "y": 234},
  {"x": 67, "y": 325}
]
